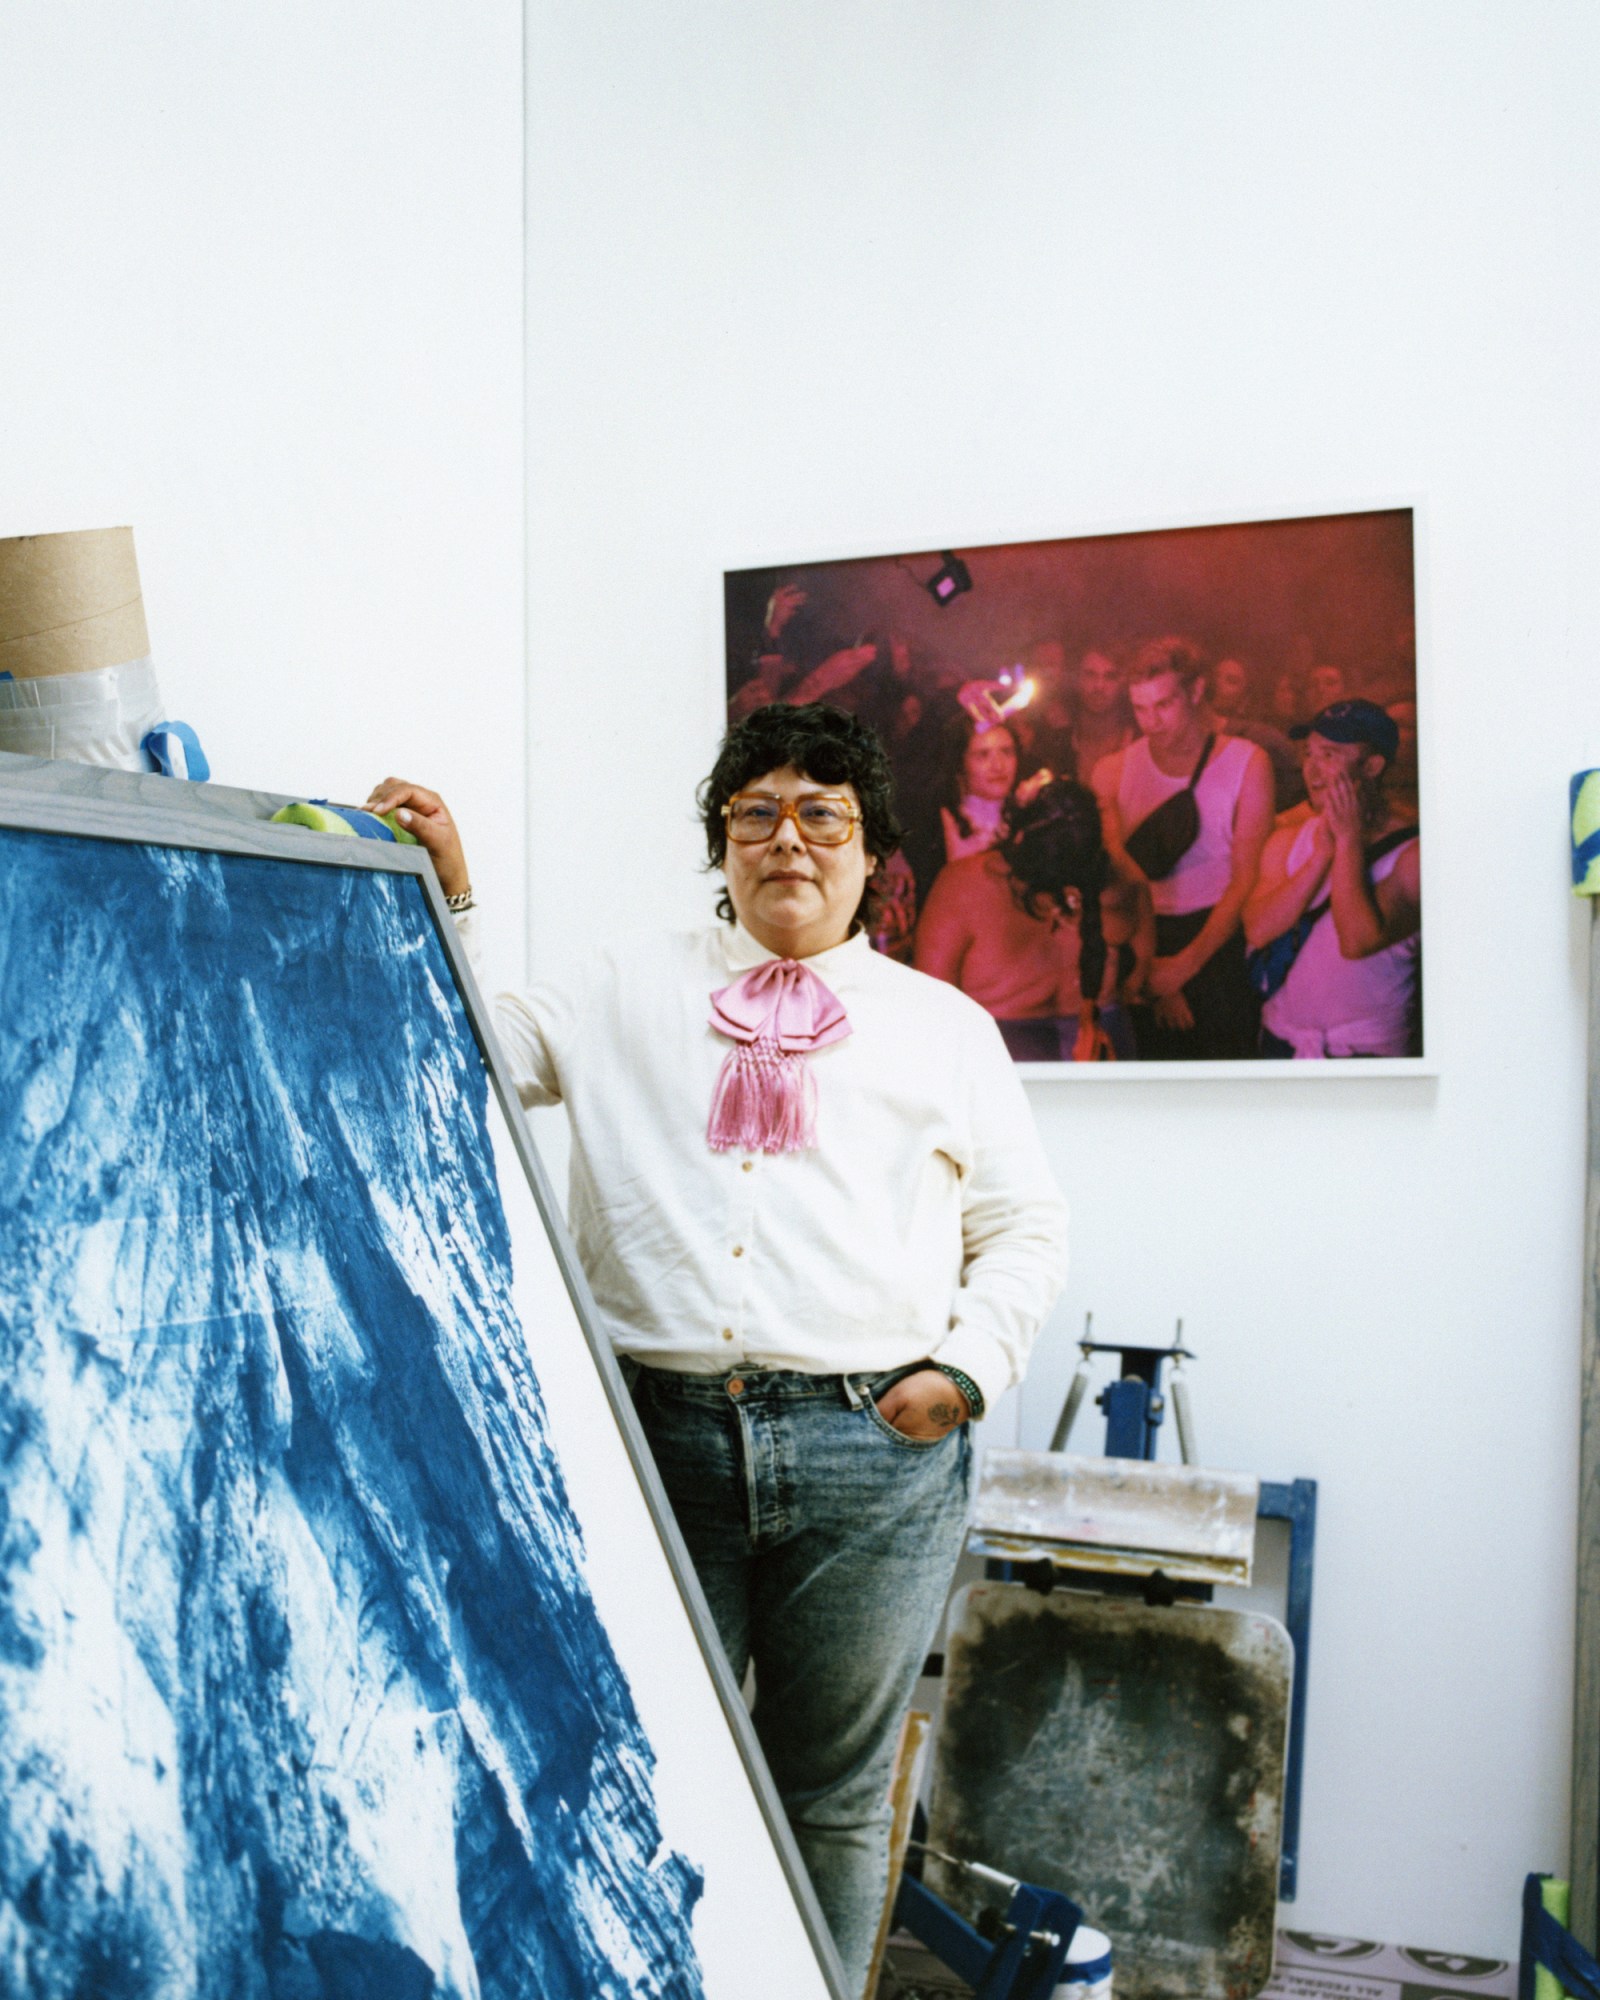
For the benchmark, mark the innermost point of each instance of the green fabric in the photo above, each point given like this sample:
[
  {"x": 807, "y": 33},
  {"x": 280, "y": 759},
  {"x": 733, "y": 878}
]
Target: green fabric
[
  {"x": 303, "y": 813},
  {"x": 322, "y": 819}
]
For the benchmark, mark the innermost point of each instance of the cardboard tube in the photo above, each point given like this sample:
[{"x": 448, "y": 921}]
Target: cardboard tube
[{"x": 70, "y": 604}]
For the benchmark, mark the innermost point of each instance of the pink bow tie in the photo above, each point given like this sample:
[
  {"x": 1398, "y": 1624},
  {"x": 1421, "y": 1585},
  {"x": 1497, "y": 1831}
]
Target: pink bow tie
[
  {"x": 783, "y": 1001},
  {"x": 776, "y": 1014}
]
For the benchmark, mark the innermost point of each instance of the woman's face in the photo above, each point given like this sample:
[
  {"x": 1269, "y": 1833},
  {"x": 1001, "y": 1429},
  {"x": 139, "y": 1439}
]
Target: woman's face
[
  {"x": 989, "y": 769},
  {"x": 791, "y": 896}
]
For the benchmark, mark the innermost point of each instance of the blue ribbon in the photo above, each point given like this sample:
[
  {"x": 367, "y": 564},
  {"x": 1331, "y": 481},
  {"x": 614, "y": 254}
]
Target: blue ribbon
[
  {"x": 175, "y": 751},
  {"x": 368, "y": 825}
]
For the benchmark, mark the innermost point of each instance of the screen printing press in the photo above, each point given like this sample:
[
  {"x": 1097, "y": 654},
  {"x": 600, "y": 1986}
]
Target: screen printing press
[{"x": 1110, "y": 1736}]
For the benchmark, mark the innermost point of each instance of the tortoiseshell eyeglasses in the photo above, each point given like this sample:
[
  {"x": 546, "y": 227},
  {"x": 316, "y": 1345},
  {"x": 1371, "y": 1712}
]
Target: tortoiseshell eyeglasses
[{"x": 823, "y": 819}]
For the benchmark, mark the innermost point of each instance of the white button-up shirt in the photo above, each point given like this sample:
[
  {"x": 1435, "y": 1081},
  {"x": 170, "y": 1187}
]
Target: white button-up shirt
[{"x": 925, "y": 1223}]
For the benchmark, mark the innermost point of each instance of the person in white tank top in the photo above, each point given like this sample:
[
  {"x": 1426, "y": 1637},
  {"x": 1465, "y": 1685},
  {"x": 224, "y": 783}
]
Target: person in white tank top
[
  {"x": 1351, "y": 862},
  {"x": 1199, "y": 1004}
]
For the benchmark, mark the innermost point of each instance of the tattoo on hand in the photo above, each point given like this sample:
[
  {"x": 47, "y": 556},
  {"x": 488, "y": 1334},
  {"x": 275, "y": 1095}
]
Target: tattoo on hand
[{"x": 944, "y": 1413}]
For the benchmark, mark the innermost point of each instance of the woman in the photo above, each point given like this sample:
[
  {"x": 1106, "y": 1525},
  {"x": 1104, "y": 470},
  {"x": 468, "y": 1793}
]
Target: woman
[
  {"x": 766, "y": 1119},
  {"x": 1034, "y": 929},
  {"x": 980, "y": 773}
]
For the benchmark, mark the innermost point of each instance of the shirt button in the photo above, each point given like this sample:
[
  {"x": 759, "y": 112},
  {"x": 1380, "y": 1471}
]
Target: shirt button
[
  {"x": 736, "y": 1387},
  {"x": 738, "y": 1249},
  {"x": 727, "y": 1333}
]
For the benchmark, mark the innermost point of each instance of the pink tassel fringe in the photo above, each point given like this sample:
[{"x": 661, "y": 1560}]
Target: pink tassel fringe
[{"x": 765, "y": 1101}]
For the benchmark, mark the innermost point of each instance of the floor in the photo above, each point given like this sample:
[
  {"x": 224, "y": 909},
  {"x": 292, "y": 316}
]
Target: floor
[
  {"x": 1314, "y": 1966},
  {"x": 1310, "y": 1966}
]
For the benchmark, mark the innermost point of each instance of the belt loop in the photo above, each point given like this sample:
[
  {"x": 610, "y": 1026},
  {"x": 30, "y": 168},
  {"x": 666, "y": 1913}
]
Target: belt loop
[{"x": 852, "y": 1394}]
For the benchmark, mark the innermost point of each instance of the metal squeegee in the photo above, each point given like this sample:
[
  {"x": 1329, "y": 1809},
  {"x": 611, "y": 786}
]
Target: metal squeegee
[{"x": 1120, "y": 1516}]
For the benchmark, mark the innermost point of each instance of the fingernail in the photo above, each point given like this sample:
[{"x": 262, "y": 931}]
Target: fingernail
[{"x": 402, "y": 814}]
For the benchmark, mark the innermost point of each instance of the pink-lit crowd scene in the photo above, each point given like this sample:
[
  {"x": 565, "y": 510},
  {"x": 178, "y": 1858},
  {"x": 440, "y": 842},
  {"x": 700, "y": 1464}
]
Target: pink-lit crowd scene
[{"x": 1159, "y": 791}]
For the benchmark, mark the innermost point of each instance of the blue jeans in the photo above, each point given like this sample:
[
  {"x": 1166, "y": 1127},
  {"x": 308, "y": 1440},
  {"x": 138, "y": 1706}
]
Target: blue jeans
[{"x": 825, "y": 1542}]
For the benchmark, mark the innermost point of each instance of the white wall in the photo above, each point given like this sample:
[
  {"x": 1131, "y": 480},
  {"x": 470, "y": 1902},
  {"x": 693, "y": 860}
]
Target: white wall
[
  {"x": 832, "y": 278},
  {"x": 825, "y": 278},
  {"x": 261, "y": 272}
]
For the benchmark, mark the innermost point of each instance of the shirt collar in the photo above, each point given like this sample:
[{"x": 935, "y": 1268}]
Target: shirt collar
[{"x": 742, "y": 951}]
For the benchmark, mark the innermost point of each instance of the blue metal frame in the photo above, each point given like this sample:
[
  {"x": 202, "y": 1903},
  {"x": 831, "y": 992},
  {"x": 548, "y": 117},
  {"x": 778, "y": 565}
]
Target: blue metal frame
[
  {"x": 1296, "y": 1503},
  {"x": 1134, "y": 1404},
  {"x": 1130, "y": 1422},
  {"x": 1013, "y": 1969},
  {"x": 1547, "y": 1943}
]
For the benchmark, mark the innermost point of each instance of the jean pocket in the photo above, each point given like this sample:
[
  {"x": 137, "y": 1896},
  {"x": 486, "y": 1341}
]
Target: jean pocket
[{"x": 899, "y": 1437}]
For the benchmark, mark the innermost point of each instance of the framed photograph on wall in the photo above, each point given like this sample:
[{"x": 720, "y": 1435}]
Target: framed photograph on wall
[{"x": 1159, "y": 788}]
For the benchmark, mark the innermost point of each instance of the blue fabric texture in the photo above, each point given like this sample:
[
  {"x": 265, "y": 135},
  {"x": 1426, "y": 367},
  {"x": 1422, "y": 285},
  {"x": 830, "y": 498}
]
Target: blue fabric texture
[
  {"x": 269, "y": 1426},
  {"x": 825, "y": 1541}
]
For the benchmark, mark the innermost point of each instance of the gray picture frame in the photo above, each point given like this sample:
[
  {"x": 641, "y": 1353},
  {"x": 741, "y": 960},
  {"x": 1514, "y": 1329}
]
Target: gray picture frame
[{"x": 41, "y": 795}]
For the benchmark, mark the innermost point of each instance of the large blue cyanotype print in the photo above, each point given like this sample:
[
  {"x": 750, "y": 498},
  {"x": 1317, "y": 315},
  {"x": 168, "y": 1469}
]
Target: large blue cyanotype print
[{"x": 302, "y": 1693}]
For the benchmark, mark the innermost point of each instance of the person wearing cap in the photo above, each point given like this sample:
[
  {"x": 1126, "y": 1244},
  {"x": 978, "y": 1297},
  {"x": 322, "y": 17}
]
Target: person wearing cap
[
  {"x": 1340, "y": 887},
  {"x": 821, "y": 1233}
]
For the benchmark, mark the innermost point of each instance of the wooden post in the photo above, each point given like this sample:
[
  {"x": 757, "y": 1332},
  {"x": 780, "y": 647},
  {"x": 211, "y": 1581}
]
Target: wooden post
[
  {"x": 1586, "y": 1691},
  {"x": 903, "y": 1797}
]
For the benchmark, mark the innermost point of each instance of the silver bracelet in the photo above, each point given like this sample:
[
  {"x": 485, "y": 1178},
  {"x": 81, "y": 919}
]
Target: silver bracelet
[{"x": 459, "y": 905}]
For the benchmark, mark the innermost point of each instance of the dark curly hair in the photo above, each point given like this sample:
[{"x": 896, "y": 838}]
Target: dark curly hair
[
  {"x": 1055, "y": 843},
  {"x": 824, "y": 744},
  {"x": 955, "y": 739}
]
